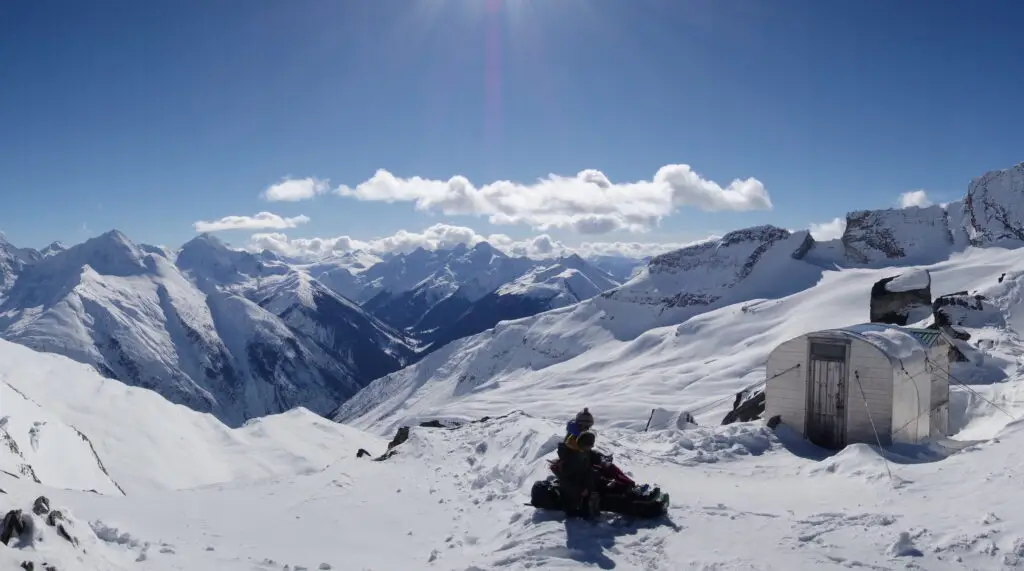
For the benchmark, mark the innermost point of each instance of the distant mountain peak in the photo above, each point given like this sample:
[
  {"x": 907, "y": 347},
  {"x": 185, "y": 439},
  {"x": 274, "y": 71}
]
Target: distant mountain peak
[
  {"x": 110, "y": 253},
  {"x": 54, "y": 248}
]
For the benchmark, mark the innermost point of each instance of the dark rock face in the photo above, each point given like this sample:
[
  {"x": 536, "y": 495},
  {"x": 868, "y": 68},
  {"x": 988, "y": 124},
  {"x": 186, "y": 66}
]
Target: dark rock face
[
  {"x": 885, "y": 236},
  {"x": 400, "y": 437},
  {"x": 899, "y": 307},
  {"x": 994, "y": 206},
  {"x": 41, "y": 506},
  {"x": 13, "y": 525},
  {"x": 745, "y": 408},
  {"x": 962, "y": 308}
]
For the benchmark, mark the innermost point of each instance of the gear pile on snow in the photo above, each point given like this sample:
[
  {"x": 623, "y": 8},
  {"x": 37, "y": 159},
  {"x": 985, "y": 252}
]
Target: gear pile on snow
[{"x": 616, "y": 492}]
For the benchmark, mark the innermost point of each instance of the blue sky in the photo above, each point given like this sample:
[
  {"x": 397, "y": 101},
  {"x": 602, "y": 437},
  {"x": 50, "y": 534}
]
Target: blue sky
[{"x": 151, "y": 116}]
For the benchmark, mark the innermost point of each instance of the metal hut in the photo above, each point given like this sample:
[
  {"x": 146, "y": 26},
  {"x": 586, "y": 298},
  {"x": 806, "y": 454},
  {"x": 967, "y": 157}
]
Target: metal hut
[{"x": 870, "y": 383}]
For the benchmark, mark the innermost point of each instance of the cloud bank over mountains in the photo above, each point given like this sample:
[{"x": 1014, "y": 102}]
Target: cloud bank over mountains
[
  {"x": 440, "y": 236},
  {"x": 588, "y": 204}
]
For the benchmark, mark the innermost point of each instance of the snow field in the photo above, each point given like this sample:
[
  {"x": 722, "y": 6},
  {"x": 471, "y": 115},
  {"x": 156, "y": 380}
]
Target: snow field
[
  {"x": 743, "y": 498},
  {"x": 144, "y": 441}
]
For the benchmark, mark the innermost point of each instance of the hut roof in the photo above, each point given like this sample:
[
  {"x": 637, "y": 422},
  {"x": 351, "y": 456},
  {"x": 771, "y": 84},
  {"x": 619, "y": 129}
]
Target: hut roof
[{"x": 898, "y": 343}]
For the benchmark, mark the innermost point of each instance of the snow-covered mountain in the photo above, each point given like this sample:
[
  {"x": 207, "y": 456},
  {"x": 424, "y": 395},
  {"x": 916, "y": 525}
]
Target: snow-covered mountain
[
  {"x": 467, "y": 273},
  {"x": 990, "y": 214},
  {"x": 561, "y": 282},
  {"x": 622, "y": 268},
  {"x": 342, "y": 272},
  {"x": 642, "y": 333},
  {"x": 215, "y": 329},
  {"x": 12, "y": 261},
  {"x": 53, "y": 248},
  {"x": 588, "y": 338}
]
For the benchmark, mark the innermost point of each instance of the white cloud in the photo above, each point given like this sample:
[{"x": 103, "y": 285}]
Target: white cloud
[
  {"x": 829, "y": 230},
  {"x": 588, "y": 203},
  {"x": 915, "y": 198},
  {"x": 261, "y": 221},
  {"x": 293, "y": 189},
  {"x": 449, "y": 236}
]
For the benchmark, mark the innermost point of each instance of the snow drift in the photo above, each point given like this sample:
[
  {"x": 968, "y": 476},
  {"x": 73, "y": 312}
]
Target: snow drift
[{"x": 72, "y": 428}]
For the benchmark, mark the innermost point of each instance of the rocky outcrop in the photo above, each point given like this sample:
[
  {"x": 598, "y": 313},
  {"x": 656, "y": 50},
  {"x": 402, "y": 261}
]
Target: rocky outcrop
[
  {"x": 24, "y": 526},
  {"x": 703, "y": 274},
  {"x": 966, "y": 310},
  {"x": 916, "y": 235},
  {"x": 994, "y": 207},
  {"x": 746, "y": 407},
  {"x": 902, "y": 299}
]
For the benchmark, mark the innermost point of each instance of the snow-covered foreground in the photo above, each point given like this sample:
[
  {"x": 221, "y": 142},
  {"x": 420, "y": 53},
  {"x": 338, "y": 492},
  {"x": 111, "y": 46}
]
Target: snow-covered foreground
[
  {"x": 176, "y": 489},
  {"x": 454, "y": 499}
]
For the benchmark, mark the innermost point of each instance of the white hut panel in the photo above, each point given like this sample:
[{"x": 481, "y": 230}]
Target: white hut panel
[
  {"x": 787, "y": 382},
  {"x": 911, "y": 422},
  {"x": 869, "y": 383}
]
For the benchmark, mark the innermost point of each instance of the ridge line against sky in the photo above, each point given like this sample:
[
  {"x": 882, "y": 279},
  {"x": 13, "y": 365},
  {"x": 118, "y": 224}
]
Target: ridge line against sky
[{"x": 572, "y": 121}]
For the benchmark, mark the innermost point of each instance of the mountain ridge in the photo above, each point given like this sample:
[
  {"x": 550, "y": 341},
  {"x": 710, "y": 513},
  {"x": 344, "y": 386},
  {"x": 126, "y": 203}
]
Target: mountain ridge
[{"x": 746, "y": 272}]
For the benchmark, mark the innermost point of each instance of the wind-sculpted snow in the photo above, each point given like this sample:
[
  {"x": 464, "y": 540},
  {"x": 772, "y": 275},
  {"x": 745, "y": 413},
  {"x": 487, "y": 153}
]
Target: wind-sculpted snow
[
  {"x": 38, "y": 446},
  {"x": 78, "y": 430}
]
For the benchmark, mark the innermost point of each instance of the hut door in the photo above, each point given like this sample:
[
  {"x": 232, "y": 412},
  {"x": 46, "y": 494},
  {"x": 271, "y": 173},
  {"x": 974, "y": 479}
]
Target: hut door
[{"x": 826, "y": 391}]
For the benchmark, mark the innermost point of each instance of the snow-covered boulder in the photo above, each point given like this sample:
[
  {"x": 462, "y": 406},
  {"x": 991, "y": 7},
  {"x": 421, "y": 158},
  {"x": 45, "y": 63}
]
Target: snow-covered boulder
[
  {"x": 966, "y": 310},
  {"x": 994, "y": 207},
  {"x": 902, "y": 299}
]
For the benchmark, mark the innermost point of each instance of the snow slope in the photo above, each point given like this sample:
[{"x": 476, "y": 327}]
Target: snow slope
[
  {"x": 79, "y": 430},
  {"x": 744, "y": 499},
  {"x": 557, "y": 362}
]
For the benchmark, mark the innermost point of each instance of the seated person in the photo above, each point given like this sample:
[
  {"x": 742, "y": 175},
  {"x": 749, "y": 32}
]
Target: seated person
[{"x": 576, "y": 476}]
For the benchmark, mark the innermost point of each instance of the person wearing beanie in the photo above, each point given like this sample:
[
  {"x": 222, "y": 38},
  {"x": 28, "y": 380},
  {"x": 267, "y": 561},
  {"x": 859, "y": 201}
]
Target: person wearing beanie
[{"x": 582, "y": 422}]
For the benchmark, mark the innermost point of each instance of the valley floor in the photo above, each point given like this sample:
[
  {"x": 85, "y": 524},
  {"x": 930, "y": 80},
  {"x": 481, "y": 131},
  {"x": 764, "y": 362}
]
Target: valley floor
[{"x": 454, "y": 499}]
